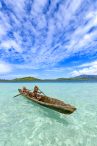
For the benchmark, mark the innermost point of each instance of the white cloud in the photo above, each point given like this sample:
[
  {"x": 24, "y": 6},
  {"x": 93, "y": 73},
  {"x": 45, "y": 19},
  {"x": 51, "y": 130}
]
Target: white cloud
[
  {"x": 88, "y": 68},
  {"x": 18, "y": 7},
  {"x": 81, "y": 39},
  {"x": 5, "y": 68},
  {"x": 4, "y": 26},
  {"x": 10, "y": 44}
]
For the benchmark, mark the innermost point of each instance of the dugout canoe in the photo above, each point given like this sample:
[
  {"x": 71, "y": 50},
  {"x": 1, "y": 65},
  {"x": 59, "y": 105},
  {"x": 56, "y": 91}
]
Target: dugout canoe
[{"x": 52, "y": 103}]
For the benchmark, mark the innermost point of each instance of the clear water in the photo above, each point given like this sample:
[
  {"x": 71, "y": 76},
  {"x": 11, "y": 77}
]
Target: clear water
[{"x": 24, "y": 123}]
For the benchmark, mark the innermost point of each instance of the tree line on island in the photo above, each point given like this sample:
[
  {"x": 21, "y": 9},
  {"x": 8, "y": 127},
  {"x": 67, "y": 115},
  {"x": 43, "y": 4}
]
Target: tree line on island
[{"x": 33, "y": 79}]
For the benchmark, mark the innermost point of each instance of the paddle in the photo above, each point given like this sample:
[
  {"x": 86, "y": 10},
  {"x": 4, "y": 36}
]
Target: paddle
[
  {"x": 19, "y": 94},
  {"x": 41, "y": 92},
  {"x": 16, "y": 95}
]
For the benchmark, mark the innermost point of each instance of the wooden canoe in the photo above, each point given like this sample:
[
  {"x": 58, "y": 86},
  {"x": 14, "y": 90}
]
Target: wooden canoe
[{"x": 52, "y": 103}]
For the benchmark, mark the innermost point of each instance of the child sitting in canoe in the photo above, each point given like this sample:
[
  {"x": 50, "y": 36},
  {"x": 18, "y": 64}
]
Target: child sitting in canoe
[
  {"x": 36, "y": 93},
  {"x": 24, "y": 90}
]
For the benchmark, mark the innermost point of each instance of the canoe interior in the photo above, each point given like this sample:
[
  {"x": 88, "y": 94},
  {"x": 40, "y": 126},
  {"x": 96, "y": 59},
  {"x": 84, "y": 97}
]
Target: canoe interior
[{"x": 53, "y": 103}]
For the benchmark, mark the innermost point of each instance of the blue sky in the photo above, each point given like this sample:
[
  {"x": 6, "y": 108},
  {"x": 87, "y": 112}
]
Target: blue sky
[{"x": 48, "y": 38}]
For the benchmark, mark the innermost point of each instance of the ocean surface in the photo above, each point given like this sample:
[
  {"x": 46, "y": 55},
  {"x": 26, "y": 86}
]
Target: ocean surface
[{"x": 24, "y": 123}]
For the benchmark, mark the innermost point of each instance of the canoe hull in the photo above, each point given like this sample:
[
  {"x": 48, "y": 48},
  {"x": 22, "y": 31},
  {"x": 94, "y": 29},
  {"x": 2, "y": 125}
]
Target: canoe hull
[{"x": 52, "y": 103}]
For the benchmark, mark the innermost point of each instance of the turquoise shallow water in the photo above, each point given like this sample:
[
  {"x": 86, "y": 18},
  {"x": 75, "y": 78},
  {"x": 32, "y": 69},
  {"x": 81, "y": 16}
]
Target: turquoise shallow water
[{"x": 24, "y": 123}]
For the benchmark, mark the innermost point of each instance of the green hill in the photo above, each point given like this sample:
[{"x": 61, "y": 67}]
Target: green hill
[
  {"x": 28, "y": 79},
  {"x": 24, "y": 79}
]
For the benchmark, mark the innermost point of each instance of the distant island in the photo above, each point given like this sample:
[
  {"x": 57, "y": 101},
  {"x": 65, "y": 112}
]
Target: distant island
[{"x": 33, "y": 79}]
